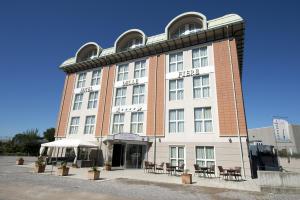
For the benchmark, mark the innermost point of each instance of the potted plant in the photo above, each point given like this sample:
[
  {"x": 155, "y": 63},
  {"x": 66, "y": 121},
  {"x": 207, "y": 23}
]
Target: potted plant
[
  {"x": 40, "y": 165},
  {"x": 63, "y": 170},
  {"x": 186, "y": 178},
  {"x": 20, "y": 161},
  {"x": 94, "y": 173},
  {"x": 107, "y": 166}
]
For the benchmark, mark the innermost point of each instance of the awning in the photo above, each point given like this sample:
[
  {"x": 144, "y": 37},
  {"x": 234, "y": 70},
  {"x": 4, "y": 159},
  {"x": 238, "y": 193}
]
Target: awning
[
  {"x": 127, "y": 137},
  {"x": 71, "y": 143}
]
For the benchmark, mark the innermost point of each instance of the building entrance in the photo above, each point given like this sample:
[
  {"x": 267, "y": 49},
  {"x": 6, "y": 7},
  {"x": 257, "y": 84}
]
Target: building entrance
[
  {"x": 118, "y": 155},
  {"x": 128, "y": 155}
]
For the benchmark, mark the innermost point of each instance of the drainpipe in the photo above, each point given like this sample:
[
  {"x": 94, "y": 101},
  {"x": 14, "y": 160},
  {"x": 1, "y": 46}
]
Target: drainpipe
[
  {"x": 235, "y": 105},
  {"x": 155, "y": 111}
]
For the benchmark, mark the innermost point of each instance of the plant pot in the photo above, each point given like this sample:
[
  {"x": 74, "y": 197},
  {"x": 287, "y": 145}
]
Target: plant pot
[
  {"x": 93, "y": 175},
  {"x": 40, "y": 168},
  {"x": 108, "y": 167},
  {"x": 186, "y": 178},
  {"x": 63, "y": 171},
  {"x": 20, "y": 161}
]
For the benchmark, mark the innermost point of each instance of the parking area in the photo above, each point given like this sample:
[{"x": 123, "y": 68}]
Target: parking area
[{"x": 19, "y": 182}]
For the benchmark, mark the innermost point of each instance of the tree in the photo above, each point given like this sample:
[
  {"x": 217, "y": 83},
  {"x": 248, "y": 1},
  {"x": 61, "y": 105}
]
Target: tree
[
  {"x": 49, "y": 134},
  {"x": 27, "y": 142}
]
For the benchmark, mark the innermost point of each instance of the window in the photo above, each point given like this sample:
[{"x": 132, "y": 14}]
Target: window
[
  {"x": 78, "y": 101},
  {"x": 176, "y": 155},
  {"x": 93, "y": 100},
  {"x": 120, "y": 96},
  {"x": 176, "y": 89},
  {"x": 118, "y": 123},
  {"x": 203, "y": 120},
  {"x": 89, "y": 124},
  {"x": 137, "y": 119},
  {"x": 185, "y": 30},
  {"x": 74, "y": 125},
  {"x": 205, "y": 156},
  {"x": 140, "y": 69},
  {"x": 95, "y": 77},
  {"x": 176, "y": 121},
  {"x": 176, "y": 62},
  {"x": 138, "y": 94},
  {"x": 133, "y": 43},
  {"x": 200, "y": 58},
  {"x": 201, "y": 86},
  {"x": 123, "y": 72},
  {"x": 81, "y": 80}
]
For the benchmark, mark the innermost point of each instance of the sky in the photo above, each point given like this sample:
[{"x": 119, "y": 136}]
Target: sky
[{"x": 37, "y": 36}]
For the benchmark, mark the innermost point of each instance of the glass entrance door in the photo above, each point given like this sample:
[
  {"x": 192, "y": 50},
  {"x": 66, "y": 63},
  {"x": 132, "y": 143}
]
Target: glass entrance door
[{"x": 135, "y": 155}]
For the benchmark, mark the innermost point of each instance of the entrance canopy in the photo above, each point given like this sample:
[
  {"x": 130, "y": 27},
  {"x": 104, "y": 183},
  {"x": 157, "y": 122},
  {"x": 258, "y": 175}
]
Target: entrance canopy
[
  {"x": 127, "y": 137},
  {"x": 70, "y": 143}
]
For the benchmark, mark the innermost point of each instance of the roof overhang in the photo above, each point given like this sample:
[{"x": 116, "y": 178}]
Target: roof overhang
[{"x": 233, "y": 30}]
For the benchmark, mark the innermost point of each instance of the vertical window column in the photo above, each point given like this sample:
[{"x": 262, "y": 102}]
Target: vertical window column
[
  {"x": 74, "y": 125},
  {"x": 176, "y": 62},
  {"x": 89, "y": 125},
  {"x": 176, "y": 121}
]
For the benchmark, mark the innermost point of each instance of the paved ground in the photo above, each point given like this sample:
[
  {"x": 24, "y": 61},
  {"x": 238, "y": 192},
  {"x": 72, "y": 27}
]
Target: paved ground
[{"x": 20, "y": 183}]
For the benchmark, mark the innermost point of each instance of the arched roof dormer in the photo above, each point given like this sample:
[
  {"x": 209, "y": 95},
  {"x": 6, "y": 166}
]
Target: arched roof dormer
[
  {"x": 130, "y": 39},
  {"x": 88, "y": 51},
  {"x": 184, "y": 24}
]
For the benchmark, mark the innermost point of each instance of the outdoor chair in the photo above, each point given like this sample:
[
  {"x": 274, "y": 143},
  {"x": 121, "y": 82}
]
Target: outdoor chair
[
  {"x": 198, "y": 170},
  {"x": 169, "y": 169},
  {"x": 222, "y": 172},
  {"x": 160, "y": 167},
  {"x": 237, "y": 173},
  {"x": 180, "y": 168},
  {"x": 147, "y": 167},
  {"x": 211, "y": 170}
]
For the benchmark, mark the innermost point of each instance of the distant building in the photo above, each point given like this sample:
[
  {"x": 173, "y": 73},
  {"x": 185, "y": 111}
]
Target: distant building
[{"x": 290, "y": 143}]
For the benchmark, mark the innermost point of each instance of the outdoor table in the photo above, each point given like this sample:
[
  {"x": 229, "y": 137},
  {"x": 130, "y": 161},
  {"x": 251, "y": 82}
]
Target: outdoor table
[
  {"x": 231, "y": 172},
  {"x": 204, "y": 169}
]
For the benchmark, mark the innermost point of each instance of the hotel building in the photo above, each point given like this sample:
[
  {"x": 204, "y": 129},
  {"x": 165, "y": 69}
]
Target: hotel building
[{"x": 173, "y": 97}]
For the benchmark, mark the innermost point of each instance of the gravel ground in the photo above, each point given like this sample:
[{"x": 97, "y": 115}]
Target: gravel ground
[{"x": 20, "y": 183}]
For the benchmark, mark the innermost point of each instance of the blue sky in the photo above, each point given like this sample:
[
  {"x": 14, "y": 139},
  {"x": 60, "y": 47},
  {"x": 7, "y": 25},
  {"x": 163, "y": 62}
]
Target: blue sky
[{"x": 36, "y": 37}]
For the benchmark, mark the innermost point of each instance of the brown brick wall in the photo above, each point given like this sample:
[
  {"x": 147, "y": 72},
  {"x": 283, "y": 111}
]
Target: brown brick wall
[
  {"x": 225, "y": 93},
  {"x": 156, "y": 96},
  {"x": 66, "y": 102},
  {"x": 105, "y": 101}
]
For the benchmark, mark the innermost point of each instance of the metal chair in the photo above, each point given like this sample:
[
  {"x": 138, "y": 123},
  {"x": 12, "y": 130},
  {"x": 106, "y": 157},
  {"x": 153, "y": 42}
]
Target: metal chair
[
  {"x": 222, "y": 172},
  {"x": 160, "y": 167}
]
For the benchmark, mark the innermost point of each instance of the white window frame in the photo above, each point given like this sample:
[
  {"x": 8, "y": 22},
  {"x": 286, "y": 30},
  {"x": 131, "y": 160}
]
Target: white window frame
[
  {"x": 122, "y": 72},
  {"x": 118, "y": 123},
  {"x": 205, "y": 160},
  {"x": 74, "y": 124},
  {"x": 176, "y": 158},
  {"x": 140, "y": 121},
  {"x": 89, "y": 127},
  {"x": 201, "y": 87},
  {"x": 96, "y": 77},
  {"x": 78, "y": 101},
  {"x": 122, "y": 97},
  {"x": 177, "y": 90},
  {"x": 81, "y": 80},
  {"x": 176, "y": 121},
  {"x": 203, "y": 120},
  {"x": 93, "y": 100},
  {"x": 176, "y": 62},
  {"x": 140, "y": 95},
  {"x": 200, "y": 57},
  {"x": 139, "y": 66}
]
